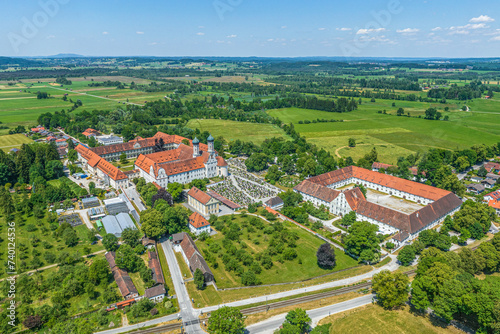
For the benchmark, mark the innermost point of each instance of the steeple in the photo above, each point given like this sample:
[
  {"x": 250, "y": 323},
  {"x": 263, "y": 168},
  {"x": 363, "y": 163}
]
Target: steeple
[
  {"x": 210, "y": 141},
  {"x": 196, "y": 147}
]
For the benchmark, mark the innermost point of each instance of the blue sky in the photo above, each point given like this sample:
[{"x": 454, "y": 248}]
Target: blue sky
[{"x": 272, "y": 28}]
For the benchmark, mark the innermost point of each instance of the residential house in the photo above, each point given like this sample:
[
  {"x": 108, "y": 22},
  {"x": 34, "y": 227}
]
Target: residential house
[
  {"x": 202, "y": 202},
  {"x": 475, "y": 188},
  {"x": 198, "y": 224}
]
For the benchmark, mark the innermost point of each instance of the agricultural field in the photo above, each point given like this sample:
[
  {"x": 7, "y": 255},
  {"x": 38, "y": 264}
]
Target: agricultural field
[
  {"x": 393, "y": 136},
  {"x": 232, "y": 130},
  {"x": 374, "y": 319},
  {"x": 20, "y": 106},
  {"x": 9, "y": 142}
]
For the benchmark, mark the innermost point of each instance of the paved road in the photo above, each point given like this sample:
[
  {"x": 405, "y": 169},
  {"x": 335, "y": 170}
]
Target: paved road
[
  {"x": 188, "y": 313},
  {"x": 347, "y": 281},
  {"x": 140, "y": 325},
  {"x": 270, "y": 325}
]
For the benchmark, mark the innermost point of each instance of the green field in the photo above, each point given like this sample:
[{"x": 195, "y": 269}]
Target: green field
[
  {"x": 232, "y": 130},
  {"x": 8, "y": 142},
  {"x": 393, "y": 136},
  {"x": 374, "y": 319}
]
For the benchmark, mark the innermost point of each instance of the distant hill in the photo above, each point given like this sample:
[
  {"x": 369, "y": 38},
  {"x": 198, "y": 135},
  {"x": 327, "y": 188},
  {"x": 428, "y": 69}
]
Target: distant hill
[
  {"x": 7, "y": 61},
  {"x": 66, "y": 55}
]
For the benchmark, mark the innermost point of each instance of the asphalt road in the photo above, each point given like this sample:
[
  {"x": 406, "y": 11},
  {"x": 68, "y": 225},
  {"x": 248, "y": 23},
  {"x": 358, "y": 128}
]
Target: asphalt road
[
  {"x": 188, "y": 313},
  {"x": 270, "y": 325}
]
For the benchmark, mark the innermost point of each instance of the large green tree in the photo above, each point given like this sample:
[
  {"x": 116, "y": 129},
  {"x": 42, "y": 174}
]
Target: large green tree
[
  {"x": 226, "y": 320},
  {"x": 391, "y": 288}
]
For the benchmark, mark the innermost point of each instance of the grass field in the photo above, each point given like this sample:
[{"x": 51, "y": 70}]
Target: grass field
[
  {"x": 374, "y": 319},
  {"x": 232, "y": 130},
  {"x": 8, "y": 142},
  {"x": 393, "y": 136}
]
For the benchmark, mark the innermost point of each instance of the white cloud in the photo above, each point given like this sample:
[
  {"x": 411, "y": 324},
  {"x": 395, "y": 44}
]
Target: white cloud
[
  {"x": 321, "y": 29},
  {"x": 232, "y": 36},
  {"x": 496, "y": 39},
  {"x": 381, "y": 39},
  {"x": 344, "y": 29},
  {"x": 201, "y": 27},
  {"x": 200, "y": 33},
  {"x": 154, "y": 43},
  {"x": 482, "y": 18},
  {"x": 51, "y": 37},
  {"x": 470, "y": 26},
  {"x": 105, "y": 33},
  {"x": 368, "y": 31},
  {"x": 284, "y": 27},
  {"x": 408, "y": 31},
  {"x": 139, "y": 32},
  {"x": 437, "y": 29},
  {"x": 270, "y": 40},
  {"x": 459, "y": 32}
]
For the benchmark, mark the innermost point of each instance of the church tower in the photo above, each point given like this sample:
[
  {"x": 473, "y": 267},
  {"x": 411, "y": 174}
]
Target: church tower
[
  {"x": 196, "y": 147},
  {"x": 210, "y": 141}
]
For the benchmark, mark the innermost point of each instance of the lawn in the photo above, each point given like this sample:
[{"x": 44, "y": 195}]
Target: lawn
[
  {"x": 374, "y": 319},
  {"x": 8, "y": 142},
  {"x": 58, "y": 182},
  {"x": 393, "y": 136},
  {"x": 232, "y": 130},
  {"x": 303, "y": 267}
]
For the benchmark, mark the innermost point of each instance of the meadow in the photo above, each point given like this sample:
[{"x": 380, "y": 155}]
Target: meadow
[
  {"x": 374, "y": 319},
  {"x": 394, "y": 136},
  {"x": 9, "y": 142},
  {"x": 232, "y": 130}
]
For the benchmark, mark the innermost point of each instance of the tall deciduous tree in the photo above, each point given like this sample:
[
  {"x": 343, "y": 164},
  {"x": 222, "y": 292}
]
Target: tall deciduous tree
[
  {"x": 391, "y": 288},
  {"x": 226, "y": 320}
]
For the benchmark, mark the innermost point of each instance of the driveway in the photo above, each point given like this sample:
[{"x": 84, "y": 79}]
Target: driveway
[{"x": 134, "y": 196}]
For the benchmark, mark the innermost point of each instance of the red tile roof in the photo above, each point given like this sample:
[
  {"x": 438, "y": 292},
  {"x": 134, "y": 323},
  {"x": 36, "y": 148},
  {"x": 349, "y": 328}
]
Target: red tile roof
[
  {"x": 221, "y": 162},
  {"x": 154, "y": 265},
  {"x": 197, "y": 220},
  {"x": 199, "y": 195},
  {"x": 317, "y": 190},
  {"x": 385, "y": 180},
  {"x": 378, "y": 165},
  {"x": 93, "y": 160},
  {"x": 354, "y": 196},
  {"x": 230, "y": 204}
]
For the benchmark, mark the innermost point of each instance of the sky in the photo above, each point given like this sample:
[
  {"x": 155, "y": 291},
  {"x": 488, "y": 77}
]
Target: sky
[{"x": 271, "y": 28}]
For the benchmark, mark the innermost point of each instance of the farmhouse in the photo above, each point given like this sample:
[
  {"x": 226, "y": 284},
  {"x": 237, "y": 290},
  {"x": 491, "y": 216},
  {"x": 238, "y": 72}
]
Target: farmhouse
[
  {"x": 202, "y": 202},
  {"x": 155, "y": 293},
  {"x": 123, "y": 280},
  {"x": 320, "y": 190},
  {"x": 194, "y": 259},
  {"x": 154, "y": 265}
]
